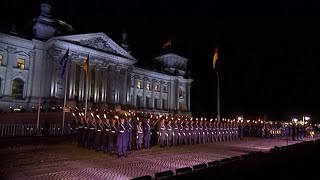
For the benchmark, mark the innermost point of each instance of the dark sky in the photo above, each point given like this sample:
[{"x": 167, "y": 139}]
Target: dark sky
[{"x": 268, "y": 52}]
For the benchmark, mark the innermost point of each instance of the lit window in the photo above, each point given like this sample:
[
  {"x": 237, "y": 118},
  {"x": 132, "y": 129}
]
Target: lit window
[
  {"x": 139, "y": 85},
  {"x": 1, "y": 57},
  {"x": 156, "y": 87},
  {"x": 148, "y": 86},
  {"x": 20, "y": 64}
]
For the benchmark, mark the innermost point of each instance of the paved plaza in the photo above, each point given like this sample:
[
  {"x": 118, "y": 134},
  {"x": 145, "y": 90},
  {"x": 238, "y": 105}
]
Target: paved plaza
[{"x": 66, "y": 161}]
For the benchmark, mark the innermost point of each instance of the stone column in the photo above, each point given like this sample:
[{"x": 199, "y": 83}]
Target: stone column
[
  {"x": 188, "y": 87},
  {"x": 152, "y": 92},
  {"x": 128, "y": 93},
  {"x": 90, "y": 77},
  {"x": 176, "y": 95},
  {"x": 117, "y": 84},
  {"x": 53, "y": 76},
  {"x": 9, "y": 71},
  {"x": 104, "y": 80},
  {"x": 161, "y": 89},
  {"x": 110, "y": 89},
  {"x": 30, "y": 73},
  {"x": 82, "y": 81},
  {"x": 96, "y": 84},
  {"x": 169, "y": 97},
  {"x": 123, "y": 87},
  {"x": 72, "y": 79},
  {"x": 145, "y": 81},
  {"x": 135, "y": 90}
]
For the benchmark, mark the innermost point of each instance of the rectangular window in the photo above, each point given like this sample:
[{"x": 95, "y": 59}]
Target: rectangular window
[
  {"x": 1, "y": 57},
  {"x": 20, "y": 64},
  {"x": 139, "y": 84},
  {"x": 148, "y": 86}
]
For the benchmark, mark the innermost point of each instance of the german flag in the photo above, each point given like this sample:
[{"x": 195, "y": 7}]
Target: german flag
[{"x": 215, "y": 58}]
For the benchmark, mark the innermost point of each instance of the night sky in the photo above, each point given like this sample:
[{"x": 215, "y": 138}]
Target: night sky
[{"x": 268, "y": 52}]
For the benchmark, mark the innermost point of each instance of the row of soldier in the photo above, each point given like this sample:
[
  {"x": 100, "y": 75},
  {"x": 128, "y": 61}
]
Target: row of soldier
[
  {"x": 179, "y": 132},
  {"x": 114, "y": 134}
]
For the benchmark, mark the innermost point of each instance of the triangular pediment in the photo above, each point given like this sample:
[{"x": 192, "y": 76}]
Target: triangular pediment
[{"x": 97, "y": 41}]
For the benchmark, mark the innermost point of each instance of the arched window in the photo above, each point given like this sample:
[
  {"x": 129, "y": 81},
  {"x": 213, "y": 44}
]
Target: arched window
[{"x": 17, "y": 88}]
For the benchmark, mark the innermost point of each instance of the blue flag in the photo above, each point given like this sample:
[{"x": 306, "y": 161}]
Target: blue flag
[{"x": 63, "y": 63}]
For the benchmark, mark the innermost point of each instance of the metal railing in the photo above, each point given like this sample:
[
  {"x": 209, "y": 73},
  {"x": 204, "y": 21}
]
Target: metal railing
[{"x": 31, "y": 130}]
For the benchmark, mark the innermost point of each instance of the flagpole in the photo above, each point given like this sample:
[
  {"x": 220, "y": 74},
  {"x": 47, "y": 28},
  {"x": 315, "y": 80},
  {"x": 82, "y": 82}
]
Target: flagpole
[
  {"x": 218, "y": 97},
  {"x": 86, "y": 96},
  {"x": 65, "y": 96},
  {"x": 40, "y": 90}
]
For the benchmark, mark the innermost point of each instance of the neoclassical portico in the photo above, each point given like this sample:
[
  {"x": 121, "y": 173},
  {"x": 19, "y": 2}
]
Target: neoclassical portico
[{"x": 111, "y": 79}]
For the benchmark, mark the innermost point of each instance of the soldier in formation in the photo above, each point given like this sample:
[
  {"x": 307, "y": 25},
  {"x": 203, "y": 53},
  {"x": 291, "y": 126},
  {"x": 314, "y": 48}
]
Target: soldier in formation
[{"x": 115, "y": 135}]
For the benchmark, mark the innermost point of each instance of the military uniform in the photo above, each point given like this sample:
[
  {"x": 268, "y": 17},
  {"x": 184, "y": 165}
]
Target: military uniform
[
  {"x": 205, "y": 132},
  {"x": 196, "y": 132},
  {"x": 85, "y": 134},
  {"x": 169, "y": 133},
  {"x": 98, "y": 136},
  {"x": 186, "y": 133},
  {"x": 162, "y": 134},
  {"x": 129, "y": 134},
  {"x": 181, "y": 133},
  {"x": 175, "y": 133},
  {"x": 192, "y": 133},
  {"x": 105, "y": 136},
  {"x": 91, "y": 133},
  {"x": 147, "y": 135},
  {"x": 80, "y": 132},
  {"x": 210, "y": 131},
  {"x": 200, "y": 132},
  {"x": 122, "y": 141},
  {"x": 112, "y": 138},
  {"x": 139, "y": 134}
]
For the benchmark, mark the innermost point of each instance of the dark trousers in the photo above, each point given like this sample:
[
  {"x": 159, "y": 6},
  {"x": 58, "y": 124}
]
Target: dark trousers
[
  {"x": 147, "y": 141},
  {"x": 122, "y": 147},
  {"x": 181, "y": 137},
  {"x": 139, "y": 145},
  {"x": 84, "y": 139},
  {"x": 90, "y": 138},
  {"x": 111, "y": 143},
  {"x": 97, "y": 141},
  {"x": 79, "y": 136},
  {"x": 105, "y": 139},
  {"x": 129, "y": 141}
]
